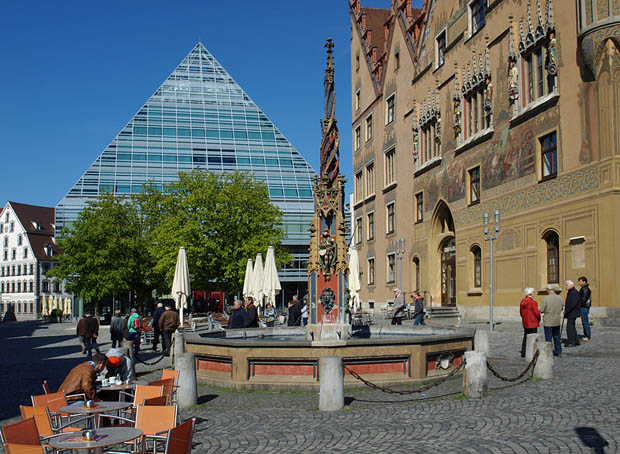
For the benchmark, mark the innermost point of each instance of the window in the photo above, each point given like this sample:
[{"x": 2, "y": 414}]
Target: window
[
  {"x": 5, "y": 241},
  {"x": 19, "y": 239},
  {"x": 6, "y": 217},
  {"x": 476, "y": 14},
  {"x": 391, "y": 268},
  {"x": 357, "y": 62},
  {"x": 371, "y": 271},
  {"x": 359, "y": 187},
  {"x": 396, "y": 60},
  {"x": 5, "y": 255},
  {"x": 30, "y": 286},
  {"x": 440, "y": 49},
  {"x": 56, "y": 287},
  {"x": 549, "y": 155},
  {"x": 357, "y": 140},
  {"x": 46, "y": 286},
  {"x": 389, "y": 110},
  {"x": 370, "y": 226},
  {"x": 477, "y": 257},
  {"x": 474, "y": 185},
  {"x": 389, "y": 167},
  {"x": 12, "y": 227},
  {"x": 368, "y": 127},
  {"x": 31, "y": 269},
  {"x": 25, "y": 256},
  {"x": 416, "y": 265},
  {"x": 370, "y": 179},
  {"x": 13, "y": 253},
  {"x": 389, "y": 218},
  {"x": 431, "y": 143},
  {"x": 357, "y": 99},
  {"x": 358, "y": 230},
  {"x": 553, "y": 257},
  {"x": 49, "y": 251},
  {"x": 419, "y": 207},
  {"x": 536, "y": 72}
]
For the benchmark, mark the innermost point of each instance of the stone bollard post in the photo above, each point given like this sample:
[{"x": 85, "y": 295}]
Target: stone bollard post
[
  {"x": 481, "y": 341},
  {"x": 331, "y": 395},
  {"x": 529, "y": 345},
  {"x": 475, "y": 381},
  {"x": 178, "y": 347},
  {"x": 187, "y": 389},
  {"x": 544, "y": 364},
  {"x": 127, "y": 349}
]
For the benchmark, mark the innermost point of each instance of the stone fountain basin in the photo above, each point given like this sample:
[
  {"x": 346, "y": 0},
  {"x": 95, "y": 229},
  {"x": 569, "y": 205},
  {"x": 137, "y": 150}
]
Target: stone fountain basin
[{"x": 282, "y": 359}]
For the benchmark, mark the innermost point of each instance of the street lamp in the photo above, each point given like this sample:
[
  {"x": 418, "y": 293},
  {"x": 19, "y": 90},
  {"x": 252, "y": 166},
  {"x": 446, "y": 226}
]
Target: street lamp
[
  {"x": 400, "y": 253},
  {"x": 490, "y": 238}
]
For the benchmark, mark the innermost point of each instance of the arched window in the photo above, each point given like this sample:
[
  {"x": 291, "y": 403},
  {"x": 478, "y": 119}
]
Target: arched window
[
  {"x": 553, "y": 257},
  {"x": 477, "y": 268},
  {"x": 416, "y": 270},
  {"x": 19, "y": 287},
  {"x": 31, "y": 286}
]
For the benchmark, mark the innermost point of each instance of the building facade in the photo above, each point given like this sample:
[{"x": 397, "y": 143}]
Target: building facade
[
  {"x": 467, "y": 107},
  {"x": 28, "y": 252},
  {"x": 201, "y": 118}
]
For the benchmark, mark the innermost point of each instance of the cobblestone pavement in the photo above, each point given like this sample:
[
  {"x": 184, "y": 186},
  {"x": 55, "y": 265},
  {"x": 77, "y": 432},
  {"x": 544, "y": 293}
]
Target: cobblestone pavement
[{"x": 576, "y": 411}]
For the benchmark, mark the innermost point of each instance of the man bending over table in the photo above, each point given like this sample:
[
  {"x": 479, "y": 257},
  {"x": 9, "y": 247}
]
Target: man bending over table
[
  {"x": 82, "y": 377},
  {"x": 118, "y": 364}
]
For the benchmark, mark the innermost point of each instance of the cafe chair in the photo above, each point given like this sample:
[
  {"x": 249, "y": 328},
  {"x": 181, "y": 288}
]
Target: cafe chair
[
  {"x": 161, "y": 401},
  {"x": 23, "y": 436},
  {"x": 70, "y": 397},
  {"x": 178, "y": 440},
  {"x": 171, "y": 373},
  {"x": 14, "y": 448},
  {"x": 168, "y": 385},
  {"x": 54, "y": 402},
  {"x": 44, "y": 423}
]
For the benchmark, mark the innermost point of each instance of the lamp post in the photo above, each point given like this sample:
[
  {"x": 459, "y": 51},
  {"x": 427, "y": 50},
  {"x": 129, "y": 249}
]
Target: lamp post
[
  {"x": 400, "y": 253},
  {"x": 490, "y": 238}
]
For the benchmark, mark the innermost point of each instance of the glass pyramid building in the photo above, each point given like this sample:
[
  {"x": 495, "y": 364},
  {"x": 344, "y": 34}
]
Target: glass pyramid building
[{"x": 200, "y": 117}]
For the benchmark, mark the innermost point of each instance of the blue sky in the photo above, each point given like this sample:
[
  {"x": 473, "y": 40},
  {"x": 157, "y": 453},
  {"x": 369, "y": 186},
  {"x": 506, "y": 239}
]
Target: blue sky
[{"x": 75, "y": 72}]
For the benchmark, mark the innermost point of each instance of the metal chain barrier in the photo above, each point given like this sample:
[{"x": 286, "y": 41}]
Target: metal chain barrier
[
  {"x": 414, "y": 391},
  {"x": 521, "y": 375},
  {"x": 163, "y": 355}
]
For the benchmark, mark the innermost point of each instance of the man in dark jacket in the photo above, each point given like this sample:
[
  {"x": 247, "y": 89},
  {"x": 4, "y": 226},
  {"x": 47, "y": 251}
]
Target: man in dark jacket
[
  {"x": 585, "y": 300},
  {"x": 88, "y": 330},
  {"x": 572, "y": 311},
  {"x": 117, "y": 329},
  {"x": 237, "y": 316},
  {"x": 251, "y": 313},
  {"x": 168, "y": 324},
  {"x": 418, "y": 311},
  {"x": 156, "y": 329},
  {"x": 294, "y": 311}
]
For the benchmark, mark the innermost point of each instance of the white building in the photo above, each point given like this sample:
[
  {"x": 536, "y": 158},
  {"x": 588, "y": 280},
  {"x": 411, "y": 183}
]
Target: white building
[{"x": 28, "y": 252}]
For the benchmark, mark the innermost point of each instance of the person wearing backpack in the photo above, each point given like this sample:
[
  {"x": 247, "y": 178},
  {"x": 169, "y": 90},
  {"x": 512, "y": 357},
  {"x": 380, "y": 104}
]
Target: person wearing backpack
[{"x": 134, "y": 324}]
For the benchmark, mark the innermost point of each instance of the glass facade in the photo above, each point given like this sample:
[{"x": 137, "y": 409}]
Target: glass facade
[{"x": 200, "y": 117}]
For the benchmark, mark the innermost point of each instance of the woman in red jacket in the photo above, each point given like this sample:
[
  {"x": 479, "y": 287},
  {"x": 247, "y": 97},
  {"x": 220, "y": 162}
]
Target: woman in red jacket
[{"x": 530, "y": 316}]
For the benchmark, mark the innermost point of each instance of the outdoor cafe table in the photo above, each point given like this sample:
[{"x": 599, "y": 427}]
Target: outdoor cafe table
[
  {"x": 121, "y": 388},
  {"x": 80, "y": 408},
  {"x": 112, "y": 436}
]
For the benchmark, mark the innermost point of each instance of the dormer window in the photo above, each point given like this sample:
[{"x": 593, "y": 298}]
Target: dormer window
[
  {"x": 36, "y": 225},
  {"x": 49, "y": 251}
]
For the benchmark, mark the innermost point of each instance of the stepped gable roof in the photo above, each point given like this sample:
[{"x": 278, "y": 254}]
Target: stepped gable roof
[{"x": 38, "y": 221}]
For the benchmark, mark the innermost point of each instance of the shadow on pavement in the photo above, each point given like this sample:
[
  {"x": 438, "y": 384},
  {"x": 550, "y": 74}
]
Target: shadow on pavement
[{"x": 591, "y": 438}]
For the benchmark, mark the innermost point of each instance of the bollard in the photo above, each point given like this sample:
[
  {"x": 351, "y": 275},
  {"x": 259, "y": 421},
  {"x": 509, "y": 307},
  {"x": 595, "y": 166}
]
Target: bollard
[
  {"x": 127, "y": 349},
  {"x": 529, "y": 345},
  {"x": 331, "y": 395},
  {"x": 187, "y": 390},
  {"x": 481, "y": 341},
  {"x": 475, "y": 381},
  {"x": 178, "y": 346},
  {"x": 544, "y": 364}
]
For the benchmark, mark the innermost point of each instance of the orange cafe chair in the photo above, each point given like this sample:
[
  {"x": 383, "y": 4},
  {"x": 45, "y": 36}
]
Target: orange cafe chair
[
  {"x": 179, "y": 438},
  {"x": 44, "y": 423},
  {"x": 21, "y": 433},
  {"x": 168, "y": 385},
  {"x": 161, "y": 401},
  {"x": 14, "y": 448}
]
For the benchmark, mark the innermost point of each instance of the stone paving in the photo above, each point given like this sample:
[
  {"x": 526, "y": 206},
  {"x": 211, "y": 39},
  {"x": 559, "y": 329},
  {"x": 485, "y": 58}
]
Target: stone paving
[{"x": 576, "y": 411}]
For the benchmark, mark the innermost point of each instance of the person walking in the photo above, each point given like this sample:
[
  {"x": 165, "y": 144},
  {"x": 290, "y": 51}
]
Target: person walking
[
  {"x": 304, "y": 312},
  {"x": 418, "y": 311},
  {"x": 585, "y": 301},
  {"x": 117, "y": 329},
  {"x": 156, "y": 330},
  {"x": 168, "y": 324},
  {"x": 530, "y": 316},
  {"x": 551, "y": 308},
  {"x": 399, "y": 307},
  {"x": 88, "y": 331},
  {"x": 251, "y": 313},
  {"x": 134, "y": 324},
  {"x": 270, "y": 315},
  {"x": 572, "y": 311}
]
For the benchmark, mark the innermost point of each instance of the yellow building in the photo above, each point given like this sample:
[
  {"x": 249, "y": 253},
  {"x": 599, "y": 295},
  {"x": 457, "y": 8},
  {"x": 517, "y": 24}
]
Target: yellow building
[{"x": 465, "y": 107}]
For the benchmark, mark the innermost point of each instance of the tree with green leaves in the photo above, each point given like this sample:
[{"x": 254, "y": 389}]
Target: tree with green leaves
[{"x": 220, "y": 219}]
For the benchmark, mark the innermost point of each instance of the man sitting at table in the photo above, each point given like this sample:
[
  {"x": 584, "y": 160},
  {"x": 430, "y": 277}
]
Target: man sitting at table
[
  {"x": 82, "y": 377},
  {"x": 118, "y": 364}
]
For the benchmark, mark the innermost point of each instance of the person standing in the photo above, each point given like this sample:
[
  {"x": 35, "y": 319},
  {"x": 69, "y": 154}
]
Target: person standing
[
  {"x": 168, "y": 324},
  {"x": 399, "y": 307},
  {"x": 237, "y": 316},
  {"x": 418, "y": 311},
  {"x": 156, "y": 330},
  {"x": 88, "y": 330},
  {"x": 585, "y": 301},
  {"x": 134, "y": 324},
  {"x": 294, "y": 312},
  {"x": 270, "y": 315},
  {"x": 117, "y": 329},
  {"x": 572, "y": 311},
  {"x": 551, "y": 308},
  {"x": 530, "y": 316},
  {"x": 304, "y": 312},
  {"x": 251, "y": 313}
]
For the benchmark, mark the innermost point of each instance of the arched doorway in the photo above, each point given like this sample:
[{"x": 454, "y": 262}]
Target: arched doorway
[{"x": 442, "y": 254}]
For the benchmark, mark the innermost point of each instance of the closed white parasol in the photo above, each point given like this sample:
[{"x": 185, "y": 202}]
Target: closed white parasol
[
  {"x": 247, "y": 280},
  {"x": 44, "y": 306},
  {"x": 354, "y": 276},
  {"x": 271, "y": 281},
  {"x": 256, "y": 289},
  {"x": 181, "y": 287}
]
